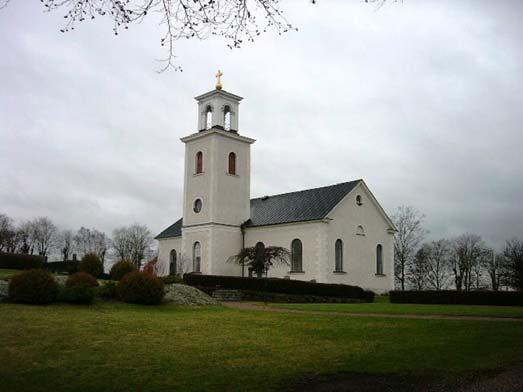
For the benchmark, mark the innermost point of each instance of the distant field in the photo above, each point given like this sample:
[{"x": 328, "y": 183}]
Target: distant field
[
  {"x": 387, "y": 308},
  {"x": 119, "y": 347}
]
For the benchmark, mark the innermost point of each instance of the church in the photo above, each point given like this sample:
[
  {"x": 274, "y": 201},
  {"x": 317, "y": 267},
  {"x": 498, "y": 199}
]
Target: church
[{"x": 336, "y": 234}]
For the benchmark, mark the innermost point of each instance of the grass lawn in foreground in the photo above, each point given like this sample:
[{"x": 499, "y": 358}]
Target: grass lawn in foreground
[
  {"x": 420, "y": 309},
  {"x": 119, "y": 347}
]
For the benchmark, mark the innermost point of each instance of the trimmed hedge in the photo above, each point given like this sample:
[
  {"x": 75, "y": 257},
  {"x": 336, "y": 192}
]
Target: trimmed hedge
[
  {"x": 453, "y": 297},
  {"x": 20, "y": 261},
  {"x": 35, "y": 286},
  {"x": 170, "y": 279},
  {"x": 282, "y": 286},
  {"x": 292, "y": 298},
  {"x": 140, "y": 288},
  {"x": 69, "y": 266}
]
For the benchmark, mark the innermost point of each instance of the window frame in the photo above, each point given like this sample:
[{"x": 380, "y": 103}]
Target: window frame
[
  {"x": 379, "y": 260},
  {"x": 197, "y": 259},
  {"x": 198, "y": 164},
  {"x": 338, "y": 255},
  {"x": 295, "y": 253},
  {"x": 231, "y": 164}
]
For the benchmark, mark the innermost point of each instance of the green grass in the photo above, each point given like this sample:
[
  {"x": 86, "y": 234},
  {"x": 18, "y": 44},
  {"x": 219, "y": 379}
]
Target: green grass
[
  {"x": 120, "y": 347},
  {"x": 6, "y": 274},
  {"x": 387, "y": 308}
]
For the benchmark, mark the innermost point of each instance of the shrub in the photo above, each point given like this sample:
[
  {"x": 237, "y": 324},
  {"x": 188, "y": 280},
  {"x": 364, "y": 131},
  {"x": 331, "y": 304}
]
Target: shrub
[
  {"x": 140, "y": 288},
  {"x": 35, "y": 286},
  {"x": 170, "y": 279},
  {"x": 275, "y": 285},
  {"x": 91, "y": 264},
  {"x": 121, "y": 268},
  {"x": 503, "y": 298},
  {"x": 78, "y": 294},
  {"x": 107, "y": 290},
  {"x": 20, "y": 261},
  {"x": 81, "y": 279},
  {"x": 150, "y": 267}
]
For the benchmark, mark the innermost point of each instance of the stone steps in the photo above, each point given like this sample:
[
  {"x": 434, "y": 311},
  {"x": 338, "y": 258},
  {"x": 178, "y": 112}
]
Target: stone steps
[{"x": 227, "y": 295}]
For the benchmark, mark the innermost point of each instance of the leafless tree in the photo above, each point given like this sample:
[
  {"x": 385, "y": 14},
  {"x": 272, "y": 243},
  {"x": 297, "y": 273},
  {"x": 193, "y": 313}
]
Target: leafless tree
[
  {"x": 407, "y": 239},
  {"x": 418, "y": 270},
  {"x": 43, "y": 233},
  {"x": 133, "y": 243},
  {"x": 7, "y": 232},
  {"x": 91, "y": 240},
  {"x": 236, "y": 21},
  {"x": 65, "y": 243},
  {"x": 513, "y": 253},
  {"x": 438, "y": 264},
  {"x": 495, "y": 264},
  {"x": 468, "y": 249}
]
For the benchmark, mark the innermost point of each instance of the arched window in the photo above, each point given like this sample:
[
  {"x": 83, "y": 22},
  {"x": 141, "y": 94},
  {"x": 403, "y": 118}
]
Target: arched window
[
  {"x": 379, "y": 260},
  {"x": 227, "y": 117},
  {"x": 296, "y": 256},
  {"x": 196, "y": 257},
  {"x": 360, "y": 230},
  {"x": 172, "y": 262},
  {"x": 338, "y": 255},
  {"x": 359, "y": 200},
  {"x": 199, "y": 162},
  {"x": 208, "y": 117},
  {"x": 232, "y": 163}
]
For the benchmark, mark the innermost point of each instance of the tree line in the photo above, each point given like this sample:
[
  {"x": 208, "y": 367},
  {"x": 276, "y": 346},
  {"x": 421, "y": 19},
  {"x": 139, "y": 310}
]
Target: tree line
[
  {"x": 463, "y": 263},
  {"x": 40, "y": 236}
]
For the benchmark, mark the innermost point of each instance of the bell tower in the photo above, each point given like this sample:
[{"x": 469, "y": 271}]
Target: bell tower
[{"x": 217, "y": 183}]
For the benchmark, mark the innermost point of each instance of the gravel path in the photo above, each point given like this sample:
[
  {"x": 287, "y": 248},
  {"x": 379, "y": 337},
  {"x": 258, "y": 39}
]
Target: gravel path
[{"x": 263, "y": 308}]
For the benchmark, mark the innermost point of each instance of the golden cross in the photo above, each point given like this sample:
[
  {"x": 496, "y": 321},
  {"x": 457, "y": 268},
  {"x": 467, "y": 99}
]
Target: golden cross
[{"x": 219, "y": 74}]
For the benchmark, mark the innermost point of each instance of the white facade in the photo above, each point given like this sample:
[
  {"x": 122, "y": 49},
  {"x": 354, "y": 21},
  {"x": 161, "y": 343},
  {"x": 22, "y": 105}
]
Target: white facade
[{"x": 217, "y": 202}]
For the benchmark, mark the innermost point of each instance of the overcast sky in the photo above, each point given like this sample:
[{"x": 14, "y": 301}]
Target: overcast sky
[{"x": 421, "y": 99}]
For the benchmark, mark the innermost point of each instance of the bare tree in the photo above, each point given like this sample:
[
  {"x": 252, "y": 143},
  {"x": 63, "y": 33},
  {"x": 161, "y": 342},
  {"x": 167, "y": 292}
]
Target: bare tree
[
  {"x": 7, "y": 232},
  {"x": 66, "y": 243},
  {"x": 467, "y": 252},
  {"x": 91, "y": 240},
  {"x": 133, "y": 243},
  {"x": 495, "y": 264},
  {"x": 438, "y": 264},
  {"x": 418, "y": 270},
  {"x": 407, "y": 239},
  {"x": 43, "y": 233},
  {"x": 513, "y": 253},
  {"x": 236, "y": 21}
]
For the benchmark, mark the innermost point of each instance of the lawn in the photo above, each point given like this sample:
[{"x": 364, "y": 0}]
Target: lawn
[
  {"x": 6, "y": 274},
  {"x": 388, "y": 308},
  {"x": 120, "y": 347}
]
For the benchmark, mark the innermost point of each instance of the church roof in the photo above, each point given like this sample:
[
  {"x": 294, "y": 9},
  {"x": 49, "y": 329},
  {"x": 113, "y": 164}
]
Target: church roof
[
  {"x": 301, "y": 206},
  {"x": 175, "y": 230}
]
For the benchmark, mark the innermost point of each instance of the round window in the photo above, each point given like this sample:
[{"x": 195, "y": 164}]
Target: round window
[{"x": 197, "y": 205}]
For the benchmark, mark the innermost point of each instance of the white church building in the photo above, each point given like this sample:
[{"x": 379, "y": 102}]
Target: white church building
[{"x": 336, "y": 234}]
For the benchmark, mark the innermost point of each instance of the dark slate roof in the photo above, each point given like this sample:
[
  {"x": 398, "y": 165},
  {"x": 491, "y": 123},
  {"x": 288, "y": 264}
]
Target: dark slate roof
[
  {"x": 175, "y": 230},
  {"x": 307, "y": 205},
  {"x": 301, "y": 206}
]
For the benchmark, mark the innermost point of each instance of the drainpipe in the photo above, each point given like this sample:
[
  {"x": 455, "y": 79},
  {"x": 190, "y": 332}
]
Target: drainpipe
[{"x": 242, "y": 228}]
